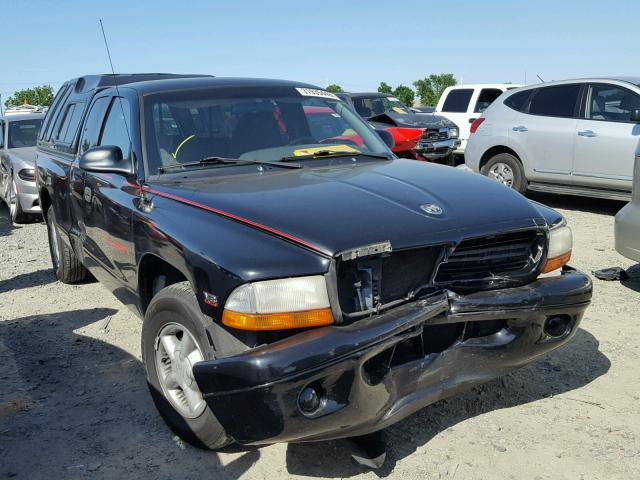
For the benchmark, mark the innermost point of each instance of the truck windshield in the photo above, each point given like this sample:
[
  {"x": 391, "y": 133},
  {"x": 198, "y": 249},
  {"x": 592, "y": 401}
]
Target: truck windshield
[
  {"x": 266, "y": 124},
  {"x": 23, "y": 133},
  {"x": 372, "y": 106}
]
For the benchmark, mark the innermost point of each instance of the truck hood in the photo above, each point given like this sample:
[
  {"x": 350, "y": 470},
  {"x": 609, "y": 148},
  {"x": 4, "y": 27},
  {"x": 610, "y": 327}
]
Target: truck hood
[
  {"x": 412, "y": 120},
  {"x": 25, "y": 155},
  {"x": 339, "y": 208}
]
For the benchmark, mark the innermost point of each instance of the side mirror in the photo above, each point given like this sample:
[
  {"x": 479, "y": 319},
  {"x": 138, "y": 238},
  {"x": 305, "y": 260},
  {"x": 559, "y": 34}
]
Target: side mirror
[
  {"x": 105, "y": 159},
  {"x": 386, "y": 137},
  {"x": 635, "y": 116}
]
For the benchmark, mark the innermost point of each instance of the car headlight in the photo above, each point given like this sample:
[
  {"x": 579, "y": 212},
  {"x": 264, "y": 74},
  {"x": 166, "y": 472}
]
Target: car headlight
[
  {"x": 27, "y": 174},
  {"x": 560, "y": 245},
  {"x": 453, "y": 132},
  {"x": 281, "y": 304}
]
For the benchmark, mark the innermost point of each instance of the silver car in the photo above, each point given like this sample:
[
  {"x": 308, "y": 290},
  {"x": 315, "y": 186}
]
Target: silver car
[
  {"x": 572, "y": 137},
  {"x": 18, "y": 136},
  {"x": 628, "y": 220}
]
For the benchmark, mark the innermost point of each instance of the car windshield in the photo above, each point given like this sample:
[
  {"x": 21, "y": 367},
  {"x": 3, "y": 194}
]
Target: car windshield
[
  {"x": 23, "y": 133},
  {"x": 372, "y": 106},
  {"x": 249, "y": 123}
]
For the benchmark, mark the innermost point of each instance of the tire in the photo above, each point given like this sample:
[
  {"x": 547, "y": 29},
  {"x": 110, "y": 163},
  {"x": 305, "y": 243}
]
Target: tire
[
  {"x": 506, "y": 169},
  {"x": 173, "y": 311},
  {"x": 66, "y": 266},
  {"x": 16, "y": 215}
]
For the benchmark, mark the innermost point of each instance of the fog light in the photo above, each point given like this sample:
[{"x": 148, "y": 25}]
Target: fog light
[
  {"x": 308, "y": 400},
  {"x": 557, "y": 326}
]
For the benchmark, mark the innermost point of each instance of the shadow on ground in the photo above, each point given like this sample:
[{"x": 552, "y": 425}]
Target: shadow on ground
[
  {"x": 577, "y": 364},
  {"x": 27, "y": 280},
  {"x": 633, "y": 280},
  {"x": 72, "y": 406},
  {"x": 581, "y": 204}
]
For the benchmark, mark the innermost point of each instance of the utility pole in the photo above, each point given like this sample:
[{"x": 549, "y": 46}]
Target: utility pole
[{"x": 1, "y": 112}]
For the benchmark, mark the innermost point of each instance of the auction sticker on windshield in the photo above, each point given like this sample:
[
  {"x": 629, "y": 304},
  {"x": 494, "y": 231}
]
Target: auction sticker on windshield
[
  {"x": 314, "y": 92},
  {"x": 334, "y": 148}
]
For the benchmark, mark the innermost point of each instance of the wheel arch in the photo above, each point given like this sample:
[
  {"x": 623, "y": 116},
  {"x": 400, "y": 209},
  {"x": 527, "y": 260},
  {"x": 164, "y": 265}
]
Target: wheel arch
[
  {"x": 493, "y": 151},
  {"x": 155, "y": 273},
  {"x": 45, "y": 202}
]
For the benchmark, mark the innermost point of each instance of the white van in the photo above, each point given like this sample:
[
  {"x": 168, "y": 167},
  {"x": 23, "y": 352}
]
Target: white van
[{"x": 462, "y": 104}]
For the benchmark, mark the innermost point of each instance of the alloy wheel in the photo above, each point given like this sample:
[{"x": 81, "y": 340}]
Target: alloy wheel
[
  {"x": 176, "y": 352},
  {"x": 502, "y": 173}
]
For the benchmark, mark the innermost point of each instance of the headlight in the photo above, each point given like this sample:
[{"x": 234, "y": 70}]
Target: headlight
[
  {"x": 27, "y": 174},
  {"x": 453, "y": 132},
  {"x": 560, "y": 245},
  {"x": 286, "y": 303}
]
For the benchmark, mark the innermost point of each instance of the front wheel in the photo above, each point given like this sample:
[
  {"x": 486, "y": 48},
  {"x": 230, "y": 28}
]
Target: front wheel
[
  {"x": 174, "y": 338},
  {"x": 15, "y": 209},
  {"x": 66, "y": 265},
  {"x": 506, "y": 169}
]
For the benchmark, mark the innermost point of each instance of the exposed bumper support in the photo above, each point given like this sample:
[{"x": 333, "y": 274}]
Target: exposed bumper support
[{"x": 377, "y": 371}]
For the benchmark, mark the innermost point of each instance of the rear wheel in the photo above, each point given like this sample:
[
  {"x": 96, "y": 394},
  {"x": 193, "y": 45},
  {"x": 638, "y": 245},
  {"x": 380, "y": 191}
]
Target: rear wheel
[
  {"x": 506, "y": 169},
  {"x": 66, "y": 265},
  {"x": 15, "y": 209},
  {"x": 174, "y": 338}
]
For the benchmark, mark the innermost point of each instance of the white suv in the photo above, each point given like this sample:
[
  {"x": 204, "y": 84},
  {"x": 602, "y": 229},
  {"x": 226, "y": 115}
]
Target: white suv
[
  {"x": 462, "y": 104},
  {"x": 575, "y": 137}
]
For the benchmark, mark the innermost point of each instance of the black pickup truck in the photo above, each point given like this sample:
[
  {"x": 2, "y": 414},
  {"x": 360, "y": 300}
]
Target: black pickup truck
[{"x": 295, "y": 284}]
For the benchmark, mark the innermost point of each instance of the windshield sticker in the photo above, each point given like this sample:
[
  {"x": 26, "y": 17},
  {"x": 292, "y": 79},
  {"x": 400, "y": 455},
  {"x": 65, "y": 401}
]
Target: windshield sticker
[
  {"x": 393, "y": 99},
  {"x": 314, "y": 92},
  {"x": 334, "y": 148}
]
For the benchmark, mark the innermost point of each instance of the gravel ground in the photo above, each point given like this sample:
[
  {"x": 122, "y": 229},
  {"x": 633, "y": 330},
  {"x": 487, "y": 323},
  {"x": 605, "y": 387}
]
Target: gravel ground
[{"x": 74, "y": 404}]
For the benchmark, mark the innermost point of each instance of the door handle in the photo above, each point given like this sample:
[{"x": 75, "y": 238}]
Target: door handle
[
  {"x": 520, "y": 128},
  {"x": 587, "y": 133}
]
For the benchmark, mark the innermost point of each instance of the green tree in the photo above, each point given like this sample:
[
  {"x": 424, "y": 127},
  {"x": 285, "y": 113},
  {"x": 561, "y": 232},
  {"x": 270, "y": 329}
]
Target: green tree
[
  {"x": 405, "y": 95},
  {"x": 385, "y": 88},
  {"x": 430, "y": 88},
  {"x": 333, "y": 88},
  {"x": 41, "y": 96}
]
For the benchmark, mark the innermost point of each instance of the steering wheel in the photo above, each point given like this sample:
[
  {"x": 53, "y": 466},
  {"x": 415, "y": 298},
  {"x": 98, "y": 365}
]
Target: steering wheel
[{"x": 303, "y": 141}]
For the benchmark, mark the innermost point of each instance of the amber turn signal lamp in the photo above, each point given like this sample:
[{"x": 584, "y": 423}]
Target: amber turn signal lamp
[
  {"x": 278, "y": 321},
  {"x": 556, "y": 262}
]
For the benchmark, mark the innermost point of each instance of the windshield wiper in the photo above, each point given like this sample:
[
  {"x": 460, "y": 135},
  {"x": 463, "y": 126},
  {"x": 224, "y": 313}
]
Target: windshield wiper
[
  {"x": 223, "y": 160},
  {"x": 334, "y": 153}
]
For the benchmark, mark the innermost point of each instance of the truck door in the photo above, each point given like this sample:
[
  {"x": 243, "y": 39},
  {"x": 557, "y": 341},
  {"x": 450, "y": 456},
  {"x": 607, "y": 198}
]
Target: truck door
[{"x": 103, "y": 202}]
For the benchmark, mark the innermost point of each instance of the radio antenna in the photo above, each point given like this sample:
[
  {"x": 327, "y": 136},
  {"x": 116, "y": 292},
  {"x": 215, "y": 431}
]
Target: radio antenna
[{"x": 115, "y": 84}]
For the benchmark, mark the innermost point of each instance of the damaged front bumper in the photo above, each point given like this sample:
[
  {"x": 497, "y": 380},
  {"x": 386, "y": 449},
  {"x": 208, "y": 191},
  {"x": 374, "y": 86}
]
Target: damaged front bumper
[
  {"x": 374, "y": 372},
  {"x": 437, "y": 149}
]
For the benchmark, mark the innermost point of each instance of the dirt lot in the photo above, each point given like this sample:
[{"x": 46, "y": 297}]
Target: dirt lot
[{"x": 74, "y": 404}]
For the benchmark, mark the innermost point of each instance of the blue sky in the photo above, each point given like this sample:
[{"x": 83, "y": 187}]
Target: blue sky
[{"x": 356, "y": 44}]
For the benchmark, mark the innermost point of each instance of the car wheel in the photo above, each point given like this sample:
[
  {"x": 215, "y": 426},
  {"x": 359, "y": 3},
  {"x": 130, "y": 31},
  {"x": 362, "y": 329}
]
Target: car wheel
[
  {"x": 506, "y": 169},
  {"x": 174, "y": 338},
  {"x": 66, "y": 265},
  {"x": 15, "y": 210}
]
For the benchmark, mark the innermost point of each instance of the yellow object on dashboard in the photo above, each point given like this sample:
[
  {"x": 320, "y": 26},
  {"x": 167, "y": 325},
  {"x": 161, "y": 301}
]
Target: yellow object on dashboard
[
  {"x": 334, "y": 148},
  {"x": 399, "y": 110}
]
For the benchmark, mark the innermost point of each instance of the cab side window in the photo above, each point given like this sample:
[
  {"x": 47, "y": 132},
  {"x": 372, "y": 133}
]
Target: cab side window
[
  {"x": 91, "y": 131},
  {"x": 1, "y": 134},
  {"x": 458, "y": 100},
  {"x": 116, "y": 126},
  {"x": 611, "y": 103},
  {"x": 486, "y": 98},
  {"x": 66, "y": 130}
]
